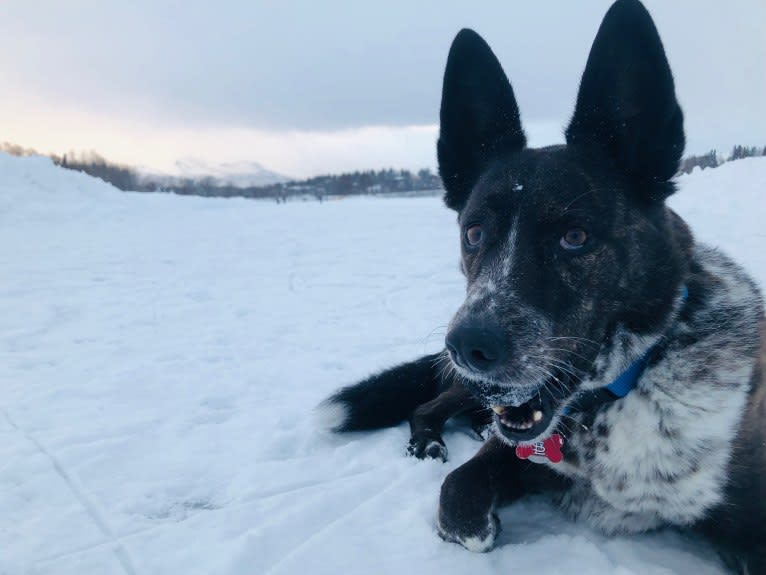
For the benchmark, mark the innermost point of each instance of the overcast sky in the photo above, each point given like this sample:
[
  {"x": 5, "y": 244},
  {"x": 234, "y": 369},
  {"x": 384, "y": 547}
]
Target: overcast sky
[{"x": 312, "y": 87}]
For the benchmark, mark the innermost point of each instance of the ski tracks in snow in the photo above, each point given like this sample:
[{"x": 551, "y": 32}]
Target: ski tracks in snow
[{"x": 79, "y": 493}]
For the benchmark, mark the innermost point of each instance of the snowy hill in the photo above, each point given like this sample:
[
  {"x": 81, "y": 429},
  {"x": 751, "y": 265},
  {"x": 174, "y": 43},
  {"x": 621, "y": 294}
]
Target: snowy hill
[{"x": 161, "y": 356}]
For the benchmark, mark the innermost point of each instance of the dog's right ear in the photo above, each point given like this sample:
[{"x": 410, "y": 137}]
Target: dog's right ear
[{"x": 479, "y": 116}]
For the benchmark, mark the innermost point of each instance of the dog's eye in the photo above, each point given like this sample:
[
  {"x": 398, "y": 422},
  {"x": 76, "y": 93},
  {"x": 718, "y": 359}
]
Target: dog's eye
[
  {"x": 574, "y": 239},
  {"x": 474, "y": 235}
]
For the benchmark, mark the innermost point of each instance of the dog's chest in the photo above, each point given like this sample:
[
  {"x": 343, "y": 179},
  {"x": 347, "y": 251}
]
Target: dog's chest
[{"x": 642, "y": 462}]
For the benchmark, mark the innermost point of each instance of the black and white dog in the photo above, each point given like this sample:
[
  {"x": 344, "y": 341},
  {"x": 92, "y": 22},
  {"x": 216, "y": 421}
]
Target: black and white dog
[{"x": 623, "y": 361}]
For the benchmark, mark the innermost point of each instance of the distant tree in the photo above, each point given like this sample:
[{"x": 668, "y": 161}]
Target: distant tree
[
  {"x": 385, "y": 181},
  {"x": 740, "y": 152},
  {"x": 16, "y": 150},
  {"x": 709, "y": 160}
]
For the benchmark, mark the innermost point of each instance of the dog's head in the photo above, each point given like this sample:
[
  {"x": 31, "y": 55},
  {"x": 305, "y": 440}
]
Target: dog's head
[{"x": 563, "y": 247}]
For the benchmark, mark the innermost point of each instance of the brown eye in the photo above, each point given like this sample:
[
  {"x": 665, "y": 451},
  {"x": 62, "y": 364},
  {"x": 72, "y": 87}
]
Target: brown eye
[
  {"x": 574, "y": 239},
  {"x": 474, "y": 235}
]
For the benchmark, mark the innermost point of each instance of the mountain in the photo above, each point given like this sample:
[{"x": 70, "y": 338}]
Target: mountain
[{"x": 239, "y": 174}]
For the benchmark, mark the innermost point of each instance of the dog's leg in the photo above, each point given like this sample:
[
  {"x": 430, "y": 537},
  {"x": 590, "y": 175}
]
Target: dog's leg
[
  {"x": 738, "y": 525},
  {"x": 481, "y": 422},
  {"x": 755, "y": 561},
  {"x": 427, "y": 421},
  {"x": 471, "y": 494}
]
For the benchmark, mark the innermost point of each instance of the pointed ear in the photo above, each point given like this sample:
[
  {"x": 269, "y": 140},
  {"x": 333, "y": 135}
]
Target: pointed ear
[
  {"x": 479, "y": 116},
  {"x": 627, "y": 107}
]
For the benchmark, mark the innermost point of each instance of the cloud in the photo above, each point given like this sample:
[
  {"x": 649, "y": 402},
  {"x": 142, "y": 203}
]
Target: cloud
[
  {"x": 305, "y": 87},
  {"x": 296, "y": 153}
]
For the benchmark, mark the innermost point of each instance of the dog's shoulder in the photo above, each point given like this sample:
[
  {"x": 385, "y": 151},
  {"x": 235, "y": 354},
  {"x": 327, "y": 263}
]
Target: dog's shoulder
[
  {"x": 662, "y": 453},
  {"x": 725, "y": 304},
  {"x": 715, "y": 343}
]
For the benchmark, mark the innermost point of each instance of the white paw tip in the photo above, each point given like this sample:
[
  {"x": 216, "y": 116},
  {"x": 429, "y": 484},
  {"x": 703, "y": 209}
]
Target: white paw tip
[
  {"x": 477, "y": 544},
  {"x": 435, "y": 450}
]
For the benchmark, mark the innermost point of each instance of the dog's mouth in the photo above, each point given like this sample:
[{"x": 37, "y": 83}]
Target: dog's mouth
[
  {"x": 528, "y": 421},
  {"x": 524, "y": 414}
]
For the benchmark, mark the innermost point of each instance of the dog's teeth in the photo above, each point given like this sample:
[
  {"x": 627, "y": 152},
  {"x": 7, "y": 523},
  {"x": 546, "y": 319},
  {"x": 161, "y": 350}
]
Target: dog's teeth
[
  {"x": 519, "y": 425},
  {"x": 499, "y": 409},
  {"x": 537, "y": 415}
]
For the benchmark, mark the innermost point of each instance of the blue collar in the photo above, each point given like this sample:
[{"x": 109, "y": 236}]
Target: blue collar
[{"x": 623, "y": 385}]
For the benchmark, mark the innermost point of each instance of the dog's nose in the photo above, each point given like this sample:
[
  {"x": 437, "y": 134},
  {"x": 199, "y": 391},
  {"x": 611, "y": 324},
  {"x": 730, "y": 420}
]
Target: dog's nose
[{"x": 478, "y": 348}]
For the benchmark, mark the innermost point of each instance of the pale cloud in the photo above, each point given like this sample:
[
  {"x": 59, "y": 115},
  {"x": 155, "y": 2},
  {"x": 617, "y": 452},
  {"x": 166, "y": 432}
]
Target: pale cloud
[{"x": 293, "y": 153}]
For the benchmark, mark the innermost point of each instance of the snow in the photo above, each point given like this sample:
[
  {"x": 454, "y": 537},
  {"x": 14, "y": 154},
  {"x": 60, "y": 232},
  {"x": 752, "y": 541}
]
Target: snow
[{"x": 161, "y": 356}]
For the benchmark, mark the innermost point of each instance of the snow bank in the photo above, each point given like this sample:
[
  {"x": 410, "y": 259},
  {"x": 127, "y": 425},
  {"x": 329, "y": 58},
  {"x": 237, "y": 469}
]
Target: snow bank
[{"x": 161, "y": 355}]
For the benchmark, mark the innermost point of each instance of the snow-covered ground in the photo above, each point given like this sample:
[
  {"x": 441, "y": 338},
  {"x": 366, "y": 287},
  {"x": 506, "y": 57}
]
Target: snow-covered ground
[{"x": 160, "y": 357}]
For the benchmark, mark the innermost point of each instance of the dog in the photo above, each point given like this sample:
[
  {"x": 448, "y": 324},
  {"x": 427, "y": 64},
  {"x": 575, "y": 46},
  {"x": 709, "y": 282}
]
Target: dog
[{"x": 621, "y": 360}]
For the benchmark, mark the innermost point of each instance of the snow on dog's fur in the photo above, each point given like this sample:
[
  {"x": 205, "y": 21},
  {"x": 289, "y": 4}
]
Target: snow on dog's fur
[{"x": 576, "y": 269}]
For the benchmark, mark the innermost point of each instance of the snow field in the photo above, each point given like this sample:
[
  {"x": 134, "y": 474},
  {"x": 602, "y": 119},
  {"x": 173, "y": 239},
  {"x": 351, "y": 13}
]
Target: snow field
[{"x": 161, "y": 355}]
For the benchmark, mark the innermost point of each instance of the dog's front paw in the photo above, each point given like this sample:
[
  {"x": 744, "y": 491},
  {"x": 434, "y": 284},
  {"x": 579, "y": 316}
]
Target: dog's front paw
[
  {"x": 427, "y": 446},
  {"x": 466, "y": 514},
  {"x": 478, "y": 540}
]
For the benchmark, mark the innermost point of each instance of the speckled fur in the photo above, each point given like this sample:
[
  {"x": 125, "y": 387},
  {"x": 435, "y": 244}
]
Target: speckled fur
[{"x": 660, "y": 456}]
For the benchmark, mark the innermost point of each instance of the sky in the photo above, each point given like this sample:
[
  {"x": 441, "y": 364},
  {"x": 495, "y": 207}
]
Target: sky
[{"x": 304, "y": 88}]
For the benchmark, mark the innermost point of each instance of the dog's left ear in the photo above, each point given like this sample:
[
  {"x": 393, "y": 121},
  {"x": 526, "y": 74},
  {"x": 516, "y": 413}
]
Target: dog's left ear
[
  {"x": 626, "y": 107},
  {"x": 479, "y": 116}
]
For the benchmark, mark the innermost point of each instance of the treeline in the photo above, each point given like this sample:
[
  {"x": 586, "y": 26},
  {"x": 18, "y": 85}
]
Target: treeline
[
  {"x": 371, "y": 182},
  {"x": 126, "y": 178},
  {"x": 121, "y": 177},
  {"x": 713, "y": 159}
]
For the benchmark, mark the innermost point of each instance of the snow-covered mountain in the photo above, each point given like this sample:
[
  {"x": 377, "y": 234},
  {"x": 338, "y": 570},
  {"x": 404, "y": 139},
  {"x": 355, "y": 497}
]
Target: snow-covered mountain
[
  {"x": 161, "y": 356},
  {"x": 240, "y": 174}
]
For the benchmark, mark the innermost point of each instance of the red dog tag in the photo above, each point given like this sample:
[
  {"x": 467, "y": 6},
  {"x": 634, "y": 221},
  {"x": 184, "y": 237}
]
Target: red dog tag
[{"x": 539, "y": 452}]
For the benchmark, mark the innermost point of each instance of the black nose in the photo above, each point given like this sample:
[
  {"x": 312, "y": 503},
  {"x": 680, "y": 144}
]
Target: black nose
[{"x": 478, "y": 348}]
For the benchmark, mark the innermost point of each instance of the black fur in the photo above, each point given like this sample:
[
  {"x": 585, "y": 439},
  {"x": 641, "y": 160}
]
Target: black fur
[
  {"x": 626, "y": 107},
  {"x": 417, "y": 391},
  {"x": 575, "y": 268},
  {"x": 474, "y": 129},
  {"x": 387, "y": 398},
  {"x": 740, "y": 523}
]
